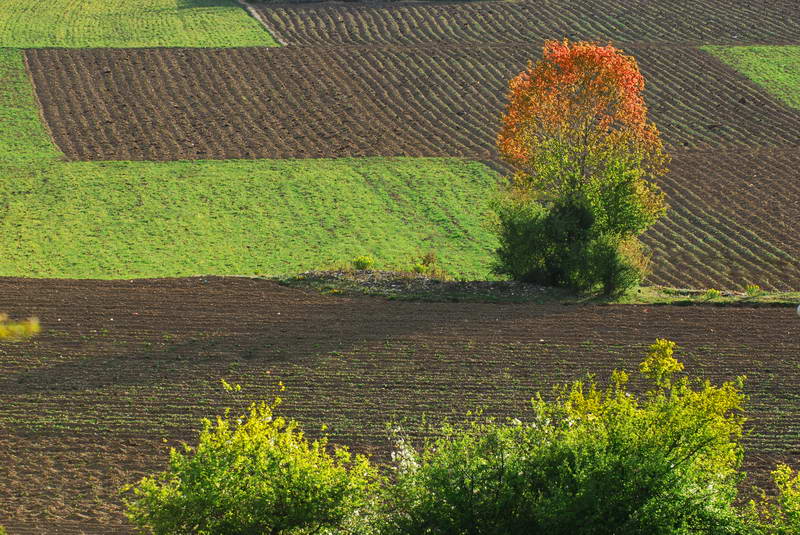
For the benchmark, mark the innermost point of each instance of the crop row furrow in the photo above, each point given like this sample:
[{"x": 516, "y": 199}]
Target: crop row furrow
[
  {"x": 668, "y": 21},
  {"x": 173, "y": 104}
]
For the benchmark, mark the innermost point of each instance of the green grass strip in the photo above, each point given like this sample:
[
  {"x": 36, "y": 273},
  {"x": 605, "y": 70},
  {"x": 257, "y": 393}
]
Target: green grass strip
[
  {"x": 234, "y": 217},
  {"x": 128, "y": 24},
  {"x": 23, "y": 138},
  {"x": 151, "y": 219},
  {"x": 776, "y": 68}
]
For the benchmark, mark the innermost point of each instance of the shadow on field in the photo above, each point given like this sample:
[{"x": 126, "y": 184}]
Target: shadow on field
[
  {"x": 103, "y": 333},
  {"x": 113, "y": 334}
]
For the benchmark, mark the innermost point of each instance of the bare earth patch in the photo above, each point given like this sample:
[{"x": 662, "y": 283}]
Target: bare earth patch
[
  {"x": 332, "y": 102},
  {"x": 693, "y": 22},
  {"x": 123, "y": 366}
]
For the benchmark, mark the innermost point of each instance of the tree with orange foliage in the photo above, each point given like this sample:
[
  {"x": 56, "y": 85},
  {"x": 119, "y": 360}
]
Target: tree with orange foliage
[{"x": 577, "y": 134}]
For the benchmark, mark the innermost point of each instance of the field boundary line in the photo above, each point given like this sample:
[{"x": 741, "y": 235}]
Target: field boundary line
[
  {"x": 39, "y": 107},
  {"x": 263, "y": 21}
]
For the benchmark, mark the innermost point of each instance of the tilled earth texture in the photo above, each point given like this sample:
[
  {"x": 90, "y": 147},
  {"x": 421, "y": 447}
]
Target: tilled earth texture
[
  {"x": 732, "y": 220},
  {"x": 629, "y": 21},
  {"x": 126, "y": 369},
  {"x": 298, "y": 102}
]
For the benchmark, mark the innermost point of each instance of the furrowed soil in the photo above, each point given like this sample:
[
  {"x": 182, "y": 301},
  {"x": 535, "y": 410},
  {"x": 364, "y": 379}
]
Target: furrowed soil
[
  {"x": 665, "y": 21},
  {"x": 297, "y": 102},
  {"x": 125, "y": 369},
  {"x": 732, "y": 220}
]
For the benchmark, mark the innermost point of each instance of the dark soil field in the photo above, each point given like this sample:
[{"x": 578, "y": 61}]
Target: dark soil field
[
  {"x": 692, "y": 22},
  {"x": 124, "y": 369},
  {"x": 298, "y": 102},
  {"x": 732, "y": 220}
]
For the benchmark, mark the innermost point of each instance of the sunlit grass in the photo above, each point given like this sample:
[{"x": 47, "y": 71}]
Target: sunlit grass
[
  {"x": 776, "y": 68},
  {"x": 128, "y": 24}
]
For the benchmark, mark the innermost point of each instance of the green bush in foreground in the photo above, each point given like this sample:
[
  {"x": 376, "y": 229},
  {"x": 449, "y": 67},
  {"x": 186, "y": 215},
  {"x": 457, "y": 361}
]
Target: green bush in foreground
[
  {"x": 593, "y": 461},
  {"x": 779, "y": 515},
  {"x": 256, "y": 474}
]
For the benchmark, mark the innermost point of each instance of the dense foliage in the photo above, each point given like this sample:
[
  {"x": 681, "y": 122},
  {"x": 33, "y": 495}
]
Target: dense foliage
[
  {"x": 253, "y": 474},
  {"x": 779, "y": 514},
  {"x": 10, "y": 330},
  {"x": 593, "y": 461},
  {"x": 559, "y": 245},
  {"x": 577, "y": 133}
]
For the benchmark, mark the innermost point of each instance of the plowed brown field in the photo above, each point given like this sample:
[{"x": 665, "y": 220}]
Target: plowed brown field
[
  {"x": 732, "y": 220},
  {"x": 122, "y": 365},
  {"x": 168, "y": 104},
  {"x": 661, "y": 21}
]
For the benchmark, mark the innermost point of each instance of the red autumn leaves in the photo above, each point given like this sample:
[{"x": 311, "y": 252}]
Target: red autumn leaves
[{"x": 583, "y": 103}]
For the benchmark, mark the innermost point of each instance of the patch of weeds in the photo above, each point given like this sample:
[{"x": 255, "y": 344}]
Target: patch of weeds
[
  {"x": 712, "y": 293},
  {"x": 427, "y": 284},
  {"x": 428, "y": 264},
  {"x": 410, "y": 286},
  {"x": 363, "y": 262},
  {"x": 753, "y": 290}
]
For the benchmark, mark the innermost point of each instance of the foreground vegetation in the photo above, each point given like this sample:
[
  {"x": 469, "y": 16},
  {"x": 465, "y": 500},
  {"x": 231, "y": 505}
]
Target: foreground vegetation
[
  {"x": 124, "y": 24},
  {"x": 593, "y": 461},
  {"x": 234, "y": 217},
  {"x": 776, "y": 68}
]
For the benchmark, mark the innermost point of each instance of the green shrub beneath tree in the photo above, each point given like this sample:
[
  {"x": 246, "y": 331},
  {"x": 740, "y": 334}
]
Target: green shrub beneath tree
[{"x": 561, "y": 245}]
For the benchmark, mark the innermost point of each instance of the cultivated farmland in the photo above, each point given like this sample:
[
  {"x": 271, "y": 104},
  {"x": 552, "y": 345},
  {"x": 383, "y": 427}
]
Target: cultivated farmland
[
  {"x": 334, "y": 102},
  {"x": 127, "y": 219},
  {"x": 731, "y": 219},
  {"x": 122, "y": 365},
  {"x": 166, "y": 138},
  {"x": 168, "y": 104},
  {"x": 665, "y": 22},
  {"x": 775, "y": 67}
]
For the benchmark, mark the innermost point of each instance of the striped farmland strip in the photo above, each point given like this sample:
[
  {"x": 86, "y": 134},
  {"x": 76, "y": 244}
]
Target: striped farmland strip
[{"x": 664, "y": 21}]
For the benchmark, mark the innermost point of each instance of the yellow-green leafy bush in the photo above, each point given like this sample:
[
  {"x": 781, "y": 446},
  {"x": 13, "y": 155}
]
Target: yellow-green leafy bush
[
  {"x": 779, "y": 515},
  {"x": 253, "y": 474},
  {"x": 10, "y": 330},
  {"x": 363, "y": 262},
  {"x": 594, "y": 460}
]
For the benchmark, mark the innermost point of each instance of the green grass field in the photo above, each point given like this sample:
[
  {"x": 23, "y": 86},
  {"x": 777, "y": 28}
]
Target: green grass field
[
  {"x": 776, "y": 68},
  {"x": 234, "y": 217},
  {"x": 128, "y": 24}
]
